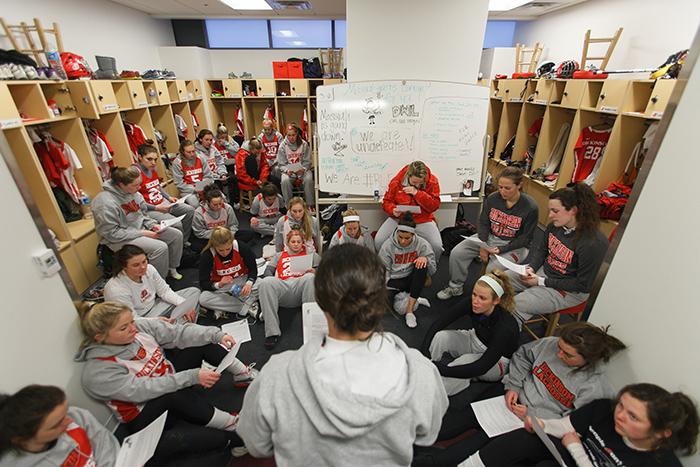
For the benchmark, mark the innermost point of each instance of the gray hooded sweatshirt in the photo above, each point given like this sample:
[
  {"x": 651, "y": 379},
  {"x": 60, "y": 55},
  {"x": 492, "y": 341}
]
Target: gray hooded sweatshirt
[
  {"x": 546, "y": 384},
  {"x": 399, "y": 261},
  {"x": 290, "y": 411},
  {"x": 102, "y": 443},
  {"x": 106, "y": 376},
  {"x": 118, "y": 215},
  {"x": 364, "y": 240},
  {"x": 178, "y": 167},
  {"x": 286, "y": 147},
  {"x": 199, "y": 223}
]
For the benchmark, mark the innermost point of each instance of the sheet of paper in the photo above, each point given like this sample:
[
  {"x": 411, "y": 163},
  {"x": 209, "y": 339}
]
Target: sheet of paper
[
  {"x": 170, "y": 222},
  {"x": 239, "y": 330},
  {"x": 546, "y": 440},
  {"x": 408, "y": 208},
  {"x": 494, "y": 417},
  {"x": 313, "y": 321},
  {"x": 181, "y": 200},
  {"x": 268, "y": 251},
  {"x": 295, "y": 167},
  {"x": 476, "y": 240},
  {"x": 138, "y": 448},
  {"x": 228, "y": 359},
  {"x": 519, "y": 268},
  {"x": 300, "y": 264},
  {"x": 262, "y": 266},
  {"x": 445, "y": 198}
]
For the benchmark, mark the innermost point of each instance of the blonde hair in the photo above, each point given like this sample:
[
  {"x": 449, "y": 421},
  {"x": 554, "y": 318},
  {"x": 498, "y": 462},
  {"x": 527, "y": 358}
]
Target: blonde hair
[
  {"x": 305, "y": 226},
  {"x": 417, "y": 169},
  {"x": 219, "y": 236},
  {"x": 508, "y": 297},
  {"x": 98, "y": 318}
]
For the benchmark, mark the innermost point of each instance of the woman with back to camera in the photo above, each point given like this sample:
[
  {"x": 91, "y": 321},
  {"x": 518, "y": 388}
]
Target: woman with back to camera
[
  {"x": 414, "y": 185},
  {"x": 360, "y": 396}
]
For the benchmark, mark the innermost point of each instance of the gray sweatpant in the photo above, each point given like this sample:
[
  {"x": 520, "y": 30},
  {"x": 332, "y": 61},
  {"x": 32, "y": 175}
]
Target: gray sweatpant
[
  {"x": 192, "y": 199},
  {"x": 177, "y": 210},
  {"x": 275, "y": 292},
  {"x": 427, "y": 230},
  {"x": 466, "y": 251},
  {"x": 264, "y": 228},
  {"x": 163, "y": 308},
  {"x": 540, "y": 300},
  {"x": 466, "y": 346},
  {"x": 222, "y": 300},
  {"x": 163, "y": 253},
  {"x": 287, "y": 185}
]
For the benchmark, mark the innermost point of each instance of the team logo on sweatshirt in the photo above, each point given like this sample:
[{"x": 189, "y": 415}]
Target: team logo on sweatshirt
[
  {"x": 405, "y": 258},
  {"x": 554, "y": 385},
  {"x": 560, "y": 255},
  {"x": 131, "y": 206},
  {"x": 504, "y": 225}
]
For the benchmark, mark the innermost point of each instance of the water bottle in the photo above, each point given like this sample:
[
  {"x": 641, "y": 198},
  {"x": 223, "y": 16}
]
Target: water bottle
[
  {"x": 54, "y": 59},
  {"x": 85, "y": 206},
  {"x": 236, "y": 289}
]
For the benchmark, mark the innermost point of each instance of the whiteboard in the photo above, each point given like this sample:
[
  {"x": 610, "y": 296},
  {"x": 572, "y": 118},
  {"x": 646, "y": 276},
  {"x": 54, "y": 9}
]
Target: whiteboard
[{"x": 367, "y": 131}]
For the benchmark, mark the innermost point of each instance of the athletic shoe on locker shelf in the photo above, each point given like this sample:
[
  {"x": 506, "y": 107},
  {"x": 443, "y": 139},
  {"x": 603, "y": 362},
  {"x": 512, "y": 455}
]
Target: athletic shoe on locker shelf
[
  {"x": 246, "y": 75},
  {"x": 232, "y": 75},
  {"x": 167, "y": 74},
  {"x": 51, "y": 74},
  {"x": 449, "y": 292},
  {"x": 243, "y": 379},
  {"x": 30, "y": 71},
  {"x": 41, "y": 74},
  {"x": 17, "y": 72},
  {"x": 5, "y": 72},
  {"x": 411, "y": 321},
  {"x": 129, "y": 74},
  {"x": 152, "y": 74}
]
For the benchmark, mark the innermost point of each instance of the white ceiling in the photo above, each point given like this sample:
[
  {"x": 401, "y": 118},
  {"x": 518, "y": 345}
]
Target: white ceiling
[{"x": 330, "y": 9}]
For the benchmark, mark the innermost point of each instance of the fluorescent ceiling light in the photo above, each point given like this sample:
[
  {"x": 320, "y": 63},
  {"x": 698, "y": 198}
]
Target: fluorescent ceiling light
[
  {"x": 505, "y": 5},
  {"x": 247, "y": 4}
]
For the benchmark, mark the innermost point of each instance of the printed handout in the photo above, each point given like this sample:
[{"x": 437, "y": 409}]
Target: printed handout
[
  {"x": 313, "y": 321},
  {"x": 494, "y": 417}
]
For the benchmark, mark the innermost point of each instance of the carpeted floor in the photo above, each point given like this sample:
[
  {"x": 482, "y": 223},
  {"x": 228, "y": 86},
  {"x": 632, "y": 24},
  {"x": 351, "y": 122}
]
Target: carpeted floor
[{"x": 224, "y": 396}]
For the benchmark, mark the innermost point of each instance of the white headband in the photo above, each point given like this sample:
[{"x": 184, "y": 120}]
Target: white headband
[
  {"x": 351, "y": 219},
  {"x": 406, "y": 228},
  {"x": 493, "y": 284}
]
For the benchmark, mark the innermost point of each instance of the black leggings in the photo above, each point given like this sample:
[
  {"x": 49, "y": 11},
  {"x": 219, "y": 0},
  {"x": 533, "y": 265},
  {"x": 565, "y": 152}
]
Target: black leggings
[
  {"x": 521, "y": 448},
  {"x": 185, "y": 404},
  {"x": 413, "y": 283},
  {"x": 445, "y": 318}
]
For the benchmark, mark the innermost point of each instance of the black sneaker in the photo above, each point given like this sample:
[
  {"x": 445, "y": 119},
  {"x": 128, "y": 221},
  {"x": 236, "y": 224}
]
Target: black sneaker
[{"x": 271, "y": 342}]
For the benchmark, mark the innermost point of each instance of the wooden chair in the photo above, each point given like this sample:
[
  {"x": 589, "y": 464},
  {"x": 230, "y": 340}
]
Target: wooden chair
[
  {"x": 25, "y": 31},
  {"x": 245, "y": 199},
  {"x": 552, "y": 320},
  {"x": 527, "y": 64}
]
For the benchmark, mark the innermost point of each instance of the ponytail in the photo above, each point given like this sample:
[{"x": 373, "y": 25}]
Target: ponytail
[
  {"x": 219, "y": 236},
  {"x": 98, "y": 318},
  {"x": 508, "y": 297},
  {"x": 593, "y": 343},
  {"x": 674, "y": 412}
]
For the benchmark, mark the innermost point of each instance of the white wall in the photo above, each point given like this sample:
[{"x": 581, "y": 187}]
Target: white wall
[
  {"x": 411, "y": 39},
  {"x": 650, "y": 294},
  {"x": 39, "y": 331},
  {"x": 653, "y": 30},
  {"x": 498, "y": 60},
  {"x": 98, "y": 27}
]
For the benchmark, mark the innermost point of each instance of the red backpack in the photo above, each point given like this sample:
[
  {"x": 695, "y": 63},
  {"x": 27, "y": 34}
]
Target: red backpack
[{"x": 76, "y": 67}]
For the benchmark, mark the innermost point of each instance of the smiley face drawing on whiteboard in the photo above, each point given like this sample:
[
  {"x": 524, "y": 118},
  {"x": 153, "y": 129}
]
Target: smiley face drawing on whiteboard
[
  {"x": 338, "y": 148},
  {"x": 372, "y": 107}
]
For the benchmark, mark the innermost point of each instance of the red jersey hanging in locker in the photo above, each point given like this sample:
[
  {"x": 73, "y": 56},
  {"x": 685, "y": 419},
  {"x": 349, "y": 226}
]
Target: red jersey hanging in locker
[{"x": 589, "y": 151}]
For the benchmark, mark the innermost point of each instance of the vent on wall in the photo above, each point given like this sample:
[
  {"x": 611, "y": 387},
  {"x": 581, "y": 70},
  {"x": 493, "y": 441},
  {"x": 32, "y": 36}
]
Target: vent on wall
[{"x": 288, "y": 4}]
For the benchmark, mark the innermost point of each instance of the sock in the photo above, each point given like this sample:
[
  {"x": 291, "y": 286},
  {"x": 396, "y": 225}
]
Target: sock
[
  {"x": 422, "y": 301},
  {"x": 237, "y": 367},
  {"x": 223, "y": 421}
]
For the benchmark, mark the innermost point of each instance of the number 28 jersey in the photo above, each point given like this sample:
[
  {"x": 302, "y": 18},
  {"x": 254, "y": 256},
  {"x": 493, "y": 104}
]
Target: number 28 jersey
[{"x": 589, "y": 151}]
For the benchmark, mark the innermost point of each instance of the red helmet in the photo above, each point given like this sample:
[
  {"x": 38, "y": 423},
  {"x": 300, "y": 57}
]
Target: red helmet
[
  {"x": 75, "y": 66},
  {"x": 566, "y": 69}
]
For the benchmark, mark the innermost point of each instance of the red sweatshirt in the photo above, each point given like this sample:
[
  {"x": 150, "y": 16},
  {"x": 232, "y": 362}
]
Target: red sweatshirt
[
  {"x": 428, "y": 197},
  {"x": 245, "y": 181}
]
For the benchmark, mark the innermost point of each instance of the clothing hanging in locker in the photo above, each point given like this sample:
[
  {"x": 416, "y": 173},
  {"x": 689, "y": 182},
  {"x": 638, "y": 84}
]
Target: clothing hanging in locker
[
  {"x": 136, "y": 137},
  {"x": 58, "y": 160},
  {"x": 102, "y": 151}
]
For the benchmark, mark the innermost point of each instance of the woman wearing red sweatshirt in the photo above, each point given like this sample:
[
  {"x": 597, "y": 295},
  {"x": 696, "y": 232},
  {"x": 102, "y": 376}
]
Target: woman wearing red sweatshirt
[
  {"x": 252, "y": 169},
  {"x": 414, "y": 185}
]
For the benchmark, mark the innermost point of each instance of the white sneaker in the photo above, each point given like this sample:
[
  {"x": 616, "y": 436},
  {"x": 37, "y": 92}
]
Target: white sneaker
[
  {"x": 239, "y": 451},
  {"x": 411, "y": 321},
  {"x": 174, "y": 274},
  {"x": 449, "y": 292}
]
